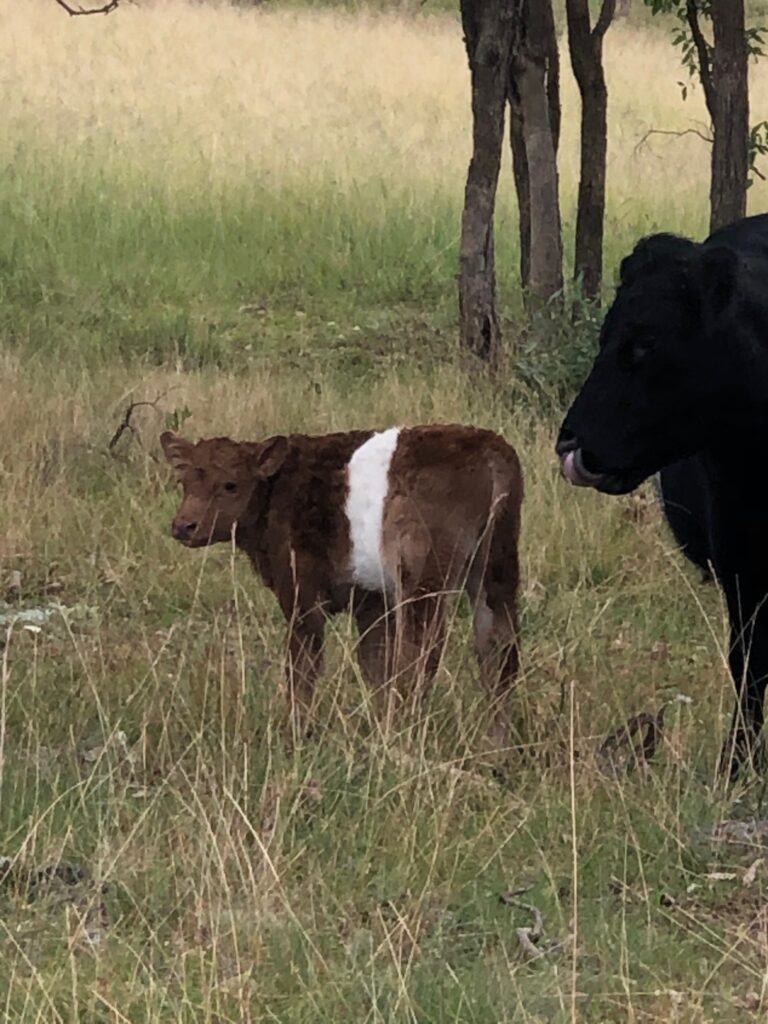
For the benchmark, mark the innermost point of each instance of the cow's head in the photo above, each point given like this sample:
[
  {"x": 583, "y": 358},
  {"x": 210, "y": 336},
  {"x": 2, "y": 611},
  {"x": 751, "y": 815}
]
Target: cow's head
[
  {"x": 223, "y": 482},
  {"x": 659, "y": 386}
]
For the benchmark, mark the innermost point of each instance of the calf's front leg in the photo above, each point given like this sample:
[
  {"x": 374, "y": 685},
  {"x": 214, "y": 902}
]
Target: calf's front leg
[
  {"x": 298, "y": 586},
  {"x": 304, "y": 663}
]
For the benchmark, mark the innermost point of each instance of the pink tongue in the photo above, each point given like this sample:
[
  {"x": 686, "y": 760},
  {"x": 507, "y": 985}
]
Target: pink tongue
[{"x": 568, "y": 468}]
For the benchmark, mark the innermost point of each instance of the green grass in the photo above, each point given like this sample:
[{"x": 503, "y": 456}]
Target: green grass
[
  {"x": 251, "y": 221},
  {"x": 102, "y": 268}
]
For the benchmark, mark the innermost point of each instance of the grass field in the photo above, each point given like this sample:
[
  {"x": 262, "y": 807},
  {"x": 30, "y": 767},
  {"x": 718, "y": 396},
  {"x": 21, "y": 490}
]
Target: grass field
[{"x": 253, "y": 218}]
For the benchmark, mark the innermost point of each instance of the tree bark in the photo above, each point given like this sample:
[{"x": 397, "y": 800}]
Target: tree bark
[
  {"x": 586, "y": 48},
  {"x": 534, "y": 96},
  {"x": 522, "y": 187},
  {"x": 517, "y": 140},
  {"x": 730, "y": 114},
  {"x": 487, "y": 28}
]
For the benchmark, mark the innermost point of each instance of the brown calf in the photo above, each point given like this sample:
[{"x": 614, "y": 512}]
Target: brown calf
[{"x": 393, "y": 521}]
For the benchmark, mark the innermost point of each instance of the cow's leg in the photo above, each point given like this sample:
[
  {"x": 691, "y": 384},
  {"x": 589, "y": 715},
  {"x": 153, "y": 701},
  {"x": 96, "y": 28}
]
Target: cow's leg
[
  {"x": 376, "y": 644},
  {"x": 496, "y": 647},
  {"x": 306, "y": 633},
  {"x": 492, "y": 585},
  {"x": 748, "y": 661},
  {"x": 495, "y": 628},
  {"x": 419, "y": 641}
]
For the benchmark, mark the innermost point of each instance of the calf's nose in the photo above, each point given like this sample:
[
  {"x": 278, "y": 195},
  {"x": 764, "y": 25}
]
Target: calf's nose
[{"x": 182, "y": 529}]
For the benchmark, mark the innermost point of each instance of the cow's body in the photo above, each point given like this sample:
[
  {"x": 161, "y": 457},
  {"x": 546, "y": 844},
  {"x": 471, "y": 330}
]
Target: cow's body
[
  {"x": 680, "y": 386},
  {"x": 389, "y": 523}
]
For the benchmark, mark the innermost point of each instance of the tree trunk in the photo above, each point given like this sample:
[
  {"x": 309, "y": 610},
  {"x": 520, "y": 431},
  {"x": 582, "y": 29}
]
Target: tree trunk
[
  {"x": 487, "y": 28},
  {"x": 730, "y": 114},
  {"x": 522, "y": 188},
  {"x": 530, "y": 74},
  {"x": 586, "y": 49},
  {"x": 517, "y": 140}
]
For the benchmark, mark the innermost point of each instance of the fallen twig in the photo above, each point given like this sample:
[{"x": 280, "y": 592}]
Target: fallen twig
[
  {"x": 530, "y": 936},
  {"x": 623, "y": 737},
  {"x": 742, "y": 833}
]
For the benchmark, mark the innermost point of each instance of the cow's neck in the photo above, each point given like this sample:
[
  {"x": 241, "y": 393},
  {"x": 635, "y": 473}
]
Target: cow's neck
[{"x": 253, "y": 535}]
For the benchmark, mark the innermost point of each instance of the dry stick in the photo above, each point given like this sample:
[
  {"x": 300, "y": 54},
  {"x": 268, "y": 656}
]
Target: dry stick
[
  {"x": 676, "y": 134},
  {"x": 126, "y": 424},
  {"x": 107, "y": 8},
  {"x": 654, "y": 726},
  {"x": 528, "y": 937}
]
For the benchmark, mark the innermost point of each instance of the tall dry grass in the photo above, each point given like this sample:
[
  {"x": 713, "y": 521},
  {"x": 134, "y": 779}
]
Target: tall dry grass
[
  {"x": 206, "y": 96},
  {"x": 360, "y": 874}
]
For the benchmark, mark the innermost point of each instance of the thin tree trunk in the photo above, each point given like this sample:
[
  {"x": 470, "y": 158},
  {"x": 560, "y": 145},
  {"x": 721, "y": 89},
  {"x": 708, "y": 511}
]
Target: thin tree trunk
[
  {"x": 730, "y": 116},
  {"x": 522, "y": 187},
  {"x": 487, "y": 34},
  {"x": 529, "y": 77},
  {"x": 517, "y": 141},
  {"x": 586, "y": 49}
]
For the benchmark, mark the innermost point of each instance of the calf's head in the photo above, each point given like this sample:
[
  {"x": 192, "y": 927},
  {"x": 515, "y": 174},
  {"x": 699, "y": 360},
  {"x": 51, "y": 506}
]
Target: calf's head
[
  {"x": 660, "y": 382},
  {"x": 225, "y": 484}
]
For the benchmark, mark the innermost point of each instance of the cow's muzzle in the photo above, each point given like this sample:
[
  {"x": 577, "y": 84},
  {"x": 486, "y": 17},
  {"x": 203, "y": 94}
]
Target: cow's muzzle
[
  {"x": 572, "y": 465},
  {"x": 580, "y": 469}
]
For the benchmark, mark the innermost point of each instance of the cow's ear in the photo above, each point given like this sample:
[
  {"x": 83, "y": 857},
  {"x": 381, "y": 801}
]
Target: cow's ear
[
  {"x": 270, "y": 456},
  {"x": 177, "y": 450},
  {"x": 717, "y": 273},
  {"x": 652, "y": 253}
]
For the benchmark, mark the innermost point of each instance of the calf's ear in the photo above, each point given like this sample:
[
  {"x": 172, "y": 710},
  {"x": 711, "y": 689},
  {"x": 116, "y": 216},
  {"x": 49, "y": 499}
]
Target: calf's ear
[
  {"x": 177, "y": 450},
  {"x": 271, "y": 455},
  {"x": 717, "y": 272},
  {"x": 652, "y": 253}
]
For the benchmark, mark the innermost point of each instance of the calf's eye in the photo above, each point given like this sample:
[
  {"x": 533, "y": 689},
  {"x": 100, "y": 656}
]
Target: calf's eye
[{"x": 230, "y": 486}]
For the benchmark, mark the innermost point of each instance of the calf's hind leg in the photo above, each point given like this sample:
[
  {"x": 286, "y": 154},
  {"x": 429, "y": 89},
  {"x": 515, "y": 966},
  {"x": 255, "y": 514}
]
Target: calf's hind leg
[
  {"x": 495, "y": 628},
  {"x": 493, "y": 588}
]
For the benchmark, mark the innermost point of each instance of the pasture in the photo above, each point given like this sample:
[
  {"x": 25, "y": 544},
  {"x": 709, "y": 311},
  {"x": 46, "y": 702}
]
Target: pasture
[{"x": 248, "y": 220}]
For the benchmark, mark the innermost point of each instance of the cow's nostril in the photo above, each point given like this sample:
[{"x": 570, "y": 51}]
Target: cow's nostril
[{"x": 566, "y": 442}]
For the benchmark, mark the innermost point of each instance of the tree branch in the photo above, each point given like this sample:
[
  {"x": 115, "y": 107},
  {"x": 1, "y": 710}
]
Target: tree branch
[
  {"x": 604, "y": 20},
  {"x": 676, "y": 134},
  {"x": 126, "y": 423},
  {"x": 106, "y": 8},
  {"x": 702, "y": 49}
]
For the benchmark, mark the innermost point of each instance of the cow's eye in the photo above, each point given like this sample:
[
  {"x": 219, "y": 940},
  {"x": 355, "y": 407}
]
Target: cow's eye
[
  {"x": 230, "y": 486},
  {"x": 640, "y": 351}
]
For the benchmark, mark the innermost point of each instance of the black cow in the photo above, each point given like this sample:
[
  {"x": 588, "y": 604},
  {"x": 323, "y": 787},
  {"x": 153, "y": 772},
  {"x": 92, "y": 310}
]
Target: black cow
[{"x": 680, "y": 386}]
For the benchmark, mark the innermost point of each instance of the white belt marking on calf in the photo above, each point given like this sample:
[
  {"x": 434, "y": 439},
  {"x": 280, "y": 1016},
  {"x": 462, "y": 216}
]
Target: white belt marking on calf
[{"x": 368, "y": 479}]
